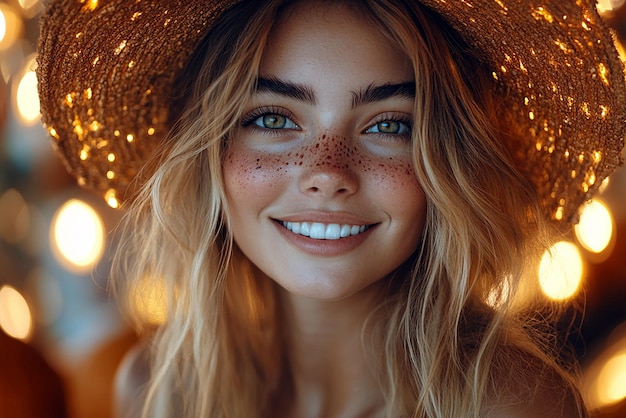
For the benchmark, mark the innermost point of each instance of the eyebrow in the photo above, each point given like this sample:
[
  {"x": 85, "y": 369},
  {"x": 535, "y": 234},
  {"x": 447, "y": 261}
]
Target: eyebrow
[
  {"x": 371, "y": 94},
  {"x": 285, "y": 88},
  {"x": 375, "y": 93}
]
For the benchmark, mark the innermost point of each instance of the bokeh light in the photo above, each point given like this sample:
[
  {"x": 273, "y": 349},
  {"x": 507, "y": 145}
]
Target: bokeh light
[
  {"x": 604, "y": 377},
  {"x": 111, "y": 198},
  {"x": 30, "y": 7},
  {"x": 611, "y": 382},
  {"x": 15, "y": 316},
  {"x": 77, "y": 236},
  {"x": 27, "y": 4},
  {"x": 606, "y": 6},
  {"x": 561, "y": 271},
  {"x": 92, "y": 4},
  {"x": 595, "y": 229},
  {"x": 26, "y": 97},
  {"x": 150, "y": 300},
  {"x": 11, "y": 26},
  {"x": 3, "y": 26}
]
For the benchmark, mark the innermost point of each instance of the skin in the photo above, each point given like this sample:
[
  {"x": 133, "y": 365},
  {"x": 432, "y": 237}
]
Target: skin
[{"x": 329, "y": 163}]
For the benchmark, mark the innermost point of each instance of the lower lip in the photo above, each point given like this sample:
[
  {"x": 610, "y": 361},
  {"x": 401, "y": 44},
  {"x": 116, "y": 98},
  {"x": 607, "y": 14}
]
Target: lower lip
[{"x": 324, "y": 247}]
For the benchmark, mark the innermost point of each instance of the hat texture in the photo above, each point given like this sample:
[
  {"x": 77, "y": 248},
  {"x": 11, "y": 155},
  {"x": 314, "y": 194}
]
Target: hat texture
[
  {"x": 107, "y": 70},
  {"x": 106, "y": 73}
]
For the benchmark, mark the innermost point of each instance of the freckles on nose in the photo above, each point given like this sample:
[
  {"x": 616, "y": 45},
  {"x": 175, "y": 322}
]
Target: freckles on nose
[
  {"x": 340, "y": 153},
  {"x": 330, "y": 152},
  {"x": 329, "y": 167}
]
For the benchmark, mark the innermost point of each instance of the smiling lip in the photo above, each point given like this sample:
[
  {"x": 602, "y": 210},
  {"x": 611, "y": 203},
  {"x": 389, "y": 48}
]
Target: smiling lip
[
  {"x": 319, "y": 230},
  {"x": 326, "y": 239}
]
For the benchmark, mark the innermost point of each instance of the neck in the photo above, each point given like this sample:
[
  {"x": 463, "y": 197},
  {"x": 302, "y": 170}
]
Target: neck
[{"x": 330, "y": 358}]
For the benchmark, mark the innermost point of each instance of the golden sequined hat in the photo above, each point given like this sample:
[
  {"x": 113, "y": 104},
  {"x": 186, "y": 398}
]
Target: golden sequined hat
[{"x": 107, "y": 70}]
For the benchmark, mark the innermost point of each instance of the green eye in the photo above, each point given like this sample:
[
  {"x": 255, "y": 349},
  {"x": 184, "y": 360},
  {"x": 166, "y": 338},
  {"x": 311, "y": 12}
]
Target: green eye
[
  {"x": 274, "y": 121},
  {"x": 392, "y": 127}
]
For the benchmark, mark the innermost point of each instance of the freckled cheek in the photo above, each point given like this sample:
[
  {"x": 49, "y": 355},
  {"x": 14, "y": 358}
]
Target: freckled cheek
[
  {"x": 394, "y": 174},
  {"x": 250, "y": 172},
  {"x": 402, "y": 193}
]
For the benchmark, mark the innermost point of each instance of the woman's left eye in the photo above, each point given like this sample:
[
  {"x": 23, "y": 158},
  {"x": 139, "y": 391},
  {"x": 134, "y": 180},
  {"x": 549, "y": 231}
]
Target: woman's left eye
[
  {"x": 389, "y": 127},
  {"x": 274, "y": 121}
]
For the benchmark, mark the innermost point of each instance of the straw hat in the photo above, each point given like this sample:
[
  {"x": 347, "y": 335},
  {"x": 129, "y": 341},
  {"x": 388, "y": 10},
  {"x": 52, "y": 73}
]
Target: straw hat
[{"x": 107, "y": 70}]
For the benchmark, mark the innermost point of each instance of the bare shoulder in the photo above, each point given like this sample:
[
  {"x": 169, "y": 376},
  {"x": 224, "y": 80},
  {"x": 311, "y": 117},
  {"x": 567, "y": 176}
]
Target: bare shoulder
[
  {"x": 524, "y": 386},
  {"x": 131, "y": 378}
]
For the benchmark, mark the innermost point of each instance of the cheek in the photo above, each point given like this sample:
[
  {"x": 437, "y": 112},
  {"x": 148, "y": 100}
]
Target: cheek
[
  {"x": 248, "y": 172},
  {"x": 395, "y": 174},
  {"x": 395, "y": 179},
  {"x": 400, "y": 195}
]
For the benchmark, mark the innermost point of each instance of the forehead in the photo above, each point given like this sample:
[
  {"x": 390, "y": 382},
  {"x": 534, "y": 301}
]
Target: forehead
[{"x": 332, "y": 37}]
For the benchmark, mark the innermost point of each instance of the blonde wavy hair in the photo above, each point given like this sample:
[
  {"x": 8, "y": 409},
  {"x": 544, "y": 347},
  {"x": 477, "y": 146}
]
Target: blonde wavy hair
[{"x": 444, "y": 349}]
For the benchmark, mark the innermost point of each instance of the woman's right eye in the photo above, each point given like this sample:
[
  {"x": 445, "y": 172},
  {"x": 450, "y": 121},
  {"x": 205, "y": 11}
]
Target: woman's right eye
[{"x": 273, "y": 121}]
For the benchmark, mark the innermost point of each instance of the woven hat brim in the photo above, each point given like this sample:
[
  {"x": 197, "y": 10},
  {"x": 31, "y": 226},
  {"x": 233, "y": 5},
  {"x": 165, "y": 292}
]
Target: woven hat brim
[
  {"x": 106, "y": 72},
  {"x": 556, "y": 64}
]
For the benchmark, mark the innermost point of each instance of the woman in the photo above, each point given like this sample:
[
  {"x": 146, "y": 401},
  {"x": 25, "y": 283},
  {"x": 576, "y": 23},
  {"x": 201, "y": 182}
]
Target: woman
[{"x": 346, "y": 184}]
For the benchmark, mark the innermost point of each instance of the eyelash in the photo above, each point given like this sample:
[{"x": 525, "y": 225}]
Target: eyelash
[
  {"x": 248, "y": 120},
  {"x": 392, "y": 117}
]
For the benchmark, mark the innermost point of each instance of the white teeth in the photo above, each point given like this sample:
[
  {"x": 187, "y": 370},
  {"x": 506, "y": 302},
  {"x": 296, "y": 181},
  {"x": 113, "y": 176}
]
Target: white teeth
[
  {"x": 317, "y": 230},
  {"x": 333, "y": 231}
]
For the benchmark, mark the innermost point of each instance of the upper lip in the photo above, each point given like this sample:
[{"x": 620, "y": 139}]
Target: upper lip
[{"x": 342, "y": 218}]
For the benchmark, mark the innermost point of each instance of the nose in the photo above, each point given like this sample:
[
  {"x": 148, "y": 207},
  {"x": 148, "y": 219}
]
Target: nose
[{"x": 328, "y": 168}]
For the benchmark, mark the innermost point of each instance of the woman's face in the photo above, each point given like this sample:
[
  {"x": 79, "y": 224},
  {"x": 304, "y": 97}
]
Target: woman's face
[{"x": 321, "y": 190}]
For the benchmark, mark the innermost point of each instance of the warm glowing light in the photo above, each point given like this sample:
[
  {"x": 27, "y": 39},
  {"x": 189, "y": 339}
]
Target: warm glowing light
[
  {"x": 27, "y": 4},
  {"x": 561, "y": 271},
  {"x": 604, "y": 378},
  {"x": 27, "y": 99},
  {"x": 30, "y": 8},
  {"x": 91, "y": 4},
  {"x": 595, "y": 229},
  {"x": 605, "y": 6},
  {"x": 77, "y": 235},
  {"x": 150, "y": 301},
  {"x": 15, "y": 317},
  {"x": 11, "y": 26},
  {"x": 111, "y": 198},
  {"x": 611, "y": 382},
  {"x": 3, "y": 26}
]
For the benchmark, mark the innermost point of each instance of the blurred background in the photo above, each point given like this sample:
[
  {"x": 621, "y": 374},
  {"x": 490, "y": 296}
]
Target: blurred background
[{"x": 61, "y": 335}]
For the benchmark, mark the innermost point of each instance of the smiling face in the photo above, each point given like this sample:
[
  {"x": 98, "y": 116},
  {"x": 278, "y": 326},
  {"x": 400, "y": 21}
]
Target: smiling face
[{"x": 319, "y": 180}]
